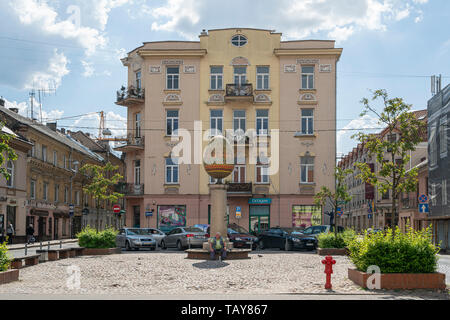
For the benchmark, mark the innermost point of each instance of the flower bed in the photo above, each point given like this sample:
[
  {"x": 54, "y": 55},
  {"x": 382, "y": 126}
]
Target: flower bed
[
  {"x": 9, "y": 276},
  {"x": 329, "y": 244}
]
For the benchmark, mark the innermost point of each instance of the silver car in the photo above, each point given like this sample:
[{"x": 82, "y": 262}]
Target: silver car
[
  {"x": 135, "y": 238},
  {"x": 184, "y": 237}
]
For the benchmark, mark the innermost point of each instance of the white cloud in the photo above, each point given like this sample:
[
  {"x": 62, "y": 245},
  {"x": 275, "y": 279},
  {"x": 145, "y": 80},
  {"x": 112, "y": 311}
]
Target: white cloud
[
  {"x": 367, "y": 124},
  {"x": 52, "y": 77},
  {"x": 25, "y": 110},
  {"x": 88, "y": 69}
]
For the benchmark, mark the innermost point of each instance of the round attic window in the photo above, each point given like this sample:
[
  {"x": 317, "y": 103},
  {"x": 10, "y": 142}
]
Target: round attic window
[{"x": 239, "y": 40}]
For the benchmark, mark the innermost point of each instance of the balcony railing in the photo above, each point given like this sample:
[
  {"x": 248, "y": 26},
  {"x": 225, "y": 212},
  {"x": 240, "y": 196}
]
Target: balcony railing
[
  {"x": 409, "y": 203},
  {"x": 240, "y": 187},
  {"x": 132, "y": 143},
  {"x": 130, "y": 189},
  {"x": 130, "y": 95},
  {"x": 239, "y": 90}
]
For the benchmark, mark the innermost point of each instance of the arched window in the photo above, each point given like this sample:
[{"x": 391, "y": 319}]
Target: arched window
[
  {"x": 239, "y": 40},
  {"x": 10, "y": 170}
]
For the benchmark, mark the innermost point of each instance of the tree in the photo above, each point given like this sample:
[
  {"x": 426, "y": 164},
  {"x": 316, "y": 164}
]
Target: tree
[
  {"x": 336, "y": 199},
  {"x": 6, "y": 152},
  {"x": 102, "y": 179},
  {"x": 391, "y": 148}
]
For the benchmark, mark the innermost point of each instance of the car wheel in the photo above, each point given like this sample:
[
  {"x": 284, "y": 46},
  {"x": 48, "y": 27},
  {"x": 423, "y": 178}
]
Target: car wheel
[
  {"x": 179, "y": 245},
  {"x": 163, "y": 245},
  {"x": 128, "y": 246}
]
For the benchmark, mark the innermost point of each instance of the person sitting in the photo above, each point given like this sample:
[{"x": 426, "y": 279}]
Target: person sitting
[{"x": 217, "y": 246}]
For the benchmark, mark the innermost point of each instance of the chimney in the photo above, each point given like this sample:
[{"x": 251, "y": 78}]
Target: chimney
[
  {"x": 52, "y": 125},
  {"x": 2, "y": 102},
  {"x": 16, "y": 110}
]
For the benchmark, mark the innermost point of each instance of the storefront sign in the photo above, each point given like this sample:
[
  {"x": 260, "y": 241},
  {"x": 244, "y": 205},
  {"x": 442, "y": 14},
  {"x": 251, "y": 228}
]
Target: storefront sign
[{"x": 260, "y": 201}]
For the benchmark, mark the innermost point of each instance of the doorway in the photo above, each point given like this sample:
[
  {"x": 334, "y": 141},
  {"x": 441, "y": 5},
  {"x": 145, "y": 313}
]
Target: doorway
[
  {"x": 259, "y": 219},
  {"x": 41, "y": 228},
  {"x": 136, "y": 216}
]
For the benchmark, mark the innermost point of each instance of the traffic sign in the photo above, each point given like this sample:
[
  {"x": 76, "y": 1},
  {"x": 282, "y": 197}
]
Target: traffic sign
[
  {"x": 424, "y": 208},
  {"x": 116, "y": 208},
  {"x": 238, "y": 212},
  {"x": 423, "y": 198},
  {"x": 339, "y": 212}
]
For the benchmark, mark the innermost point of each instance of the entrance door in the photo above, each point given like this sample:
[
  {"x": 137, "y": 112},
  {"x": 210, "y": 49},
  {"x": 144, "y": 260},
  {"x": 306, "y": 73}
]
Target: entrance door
[
  {"x": 136, "y": 216},
  {"x": 259, "y": 219}
]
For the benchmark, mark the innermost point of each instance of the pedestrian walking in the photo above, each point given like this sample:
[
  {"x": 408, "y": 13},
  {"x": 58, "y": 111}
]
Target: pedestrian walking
[
  {"x": 10, "y": 232},
  {"x": 30, "y": 234}
]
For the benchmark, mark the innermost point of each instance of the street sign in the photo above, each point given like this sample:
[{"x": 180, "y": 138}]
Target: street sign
[
  {"x": 423, "y": 198},
  {"x": 116, "y": 208},
  {"x": 149, "y": 213},
  {"x": 238, "y": 212},
  {"x": 424, "y": 208},
  {"x": 339, "y": 212}
]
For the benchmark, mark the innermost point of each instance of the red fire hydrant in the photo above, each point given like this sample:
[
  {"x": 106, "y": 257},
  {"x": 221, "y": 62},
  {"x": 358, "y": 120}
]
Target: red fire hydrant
[{"x": 328, "y": 262}]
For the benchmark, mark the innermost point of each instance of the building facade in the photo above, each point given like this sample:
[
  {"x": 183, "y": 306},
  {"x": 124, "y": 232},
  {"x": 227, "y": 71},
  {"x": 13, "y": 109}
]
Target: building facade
[
  {"x": 274, "y": 100},
  {"x": 439, "y": 164}
]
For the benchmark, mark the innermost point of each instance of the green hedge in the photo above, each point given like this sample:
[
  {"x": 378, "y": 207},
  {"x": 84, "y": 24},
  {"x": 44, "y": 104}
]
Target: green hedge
[
  {"x": 90, "y": 238},
  {"x": 329, "y": 240},
  {"x": 395, "y": 252},
  {"x": 5, "y": 259}
]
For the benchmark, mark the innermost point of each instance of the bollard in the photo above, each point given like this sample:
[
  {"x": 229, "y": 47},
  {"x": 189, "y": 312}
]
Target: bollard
[
  {"x": 48, "y": 245},
  {"x": 60, "y": 244},
  {"x": 26, "y": 248},
  {"x": 40, "y": 246},
  {"x": 328, "y": 262}
]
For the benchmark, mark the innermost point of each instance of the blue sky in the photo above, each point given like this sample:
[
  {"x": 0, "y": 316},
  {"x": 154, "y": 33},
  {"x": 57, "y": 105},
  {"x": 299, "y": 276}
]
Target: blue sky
[{"x": 75, "y": 47}]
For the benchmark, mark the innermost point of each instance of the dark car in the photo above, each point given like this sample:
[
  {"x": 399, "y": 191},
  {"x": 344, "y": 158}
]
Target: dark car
[
  {"x": 316, "y": 230},
  {"x": 285, "y": 239},
  {"x": 238, "y": 235}
]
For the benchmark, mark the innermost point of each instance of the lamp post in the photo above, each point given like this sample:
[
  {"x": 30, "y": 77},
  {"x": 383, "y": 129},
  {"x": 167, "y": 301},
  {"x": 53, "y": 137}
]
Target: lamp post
[{"x": 74, "y": 173}]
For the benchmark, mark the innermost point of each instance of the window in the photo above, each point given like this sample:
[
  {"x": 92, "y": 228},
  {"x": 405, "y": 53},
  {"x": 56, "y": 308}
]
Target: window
[
  {"x": 137, "y": 123},
  {"x": 239, "y": 174},
  {"x": 239, "y": 40},
  {"x": 240, "y": 75},
  {"x": 77, "y": 198},
  {"x": 56, "y": 193},
  {"x": 137, "y": 172},
  {"x": 444, "y": 192},
  {"x": 173, "y": 78},
  {"x": 239, "y": 121},
  {"x": 307, "y": 77},
  {"x": 45, "y": 195},
  {"x": 10, "y": 171},
  {"x": 307, "y": 121},
  {"x": 172, "y": 122},
  {"x": 86, "y": 200},
  {"x": 44, "y": 153},
  {"x": 443, "y": 146},
  {"x": 216, "y": 78},
  {"x": 138, "y": 80},
  {"x": 33, "y": 148},
  {"x": 32, "y": 189},
  {"x": 262, "y": 174},
  {"x": 262, "y": 78},
  {"x": 307, "y": 170},
  {"x": 55, "y": 158},
  {"x": 66, "y": 194},
  {"x": 171, "y": 171},
  {"x": 65, "y": 161},
  {"x": 262, "y": 122},
  {"x": 216, "y": 121}
]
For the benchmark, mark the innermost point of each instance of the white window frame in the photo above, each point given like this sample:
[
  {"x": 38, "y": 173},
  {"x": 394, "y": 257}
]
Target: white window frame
[
  {"x": 240, "y": 41},
  {"x": 10, "y": 168},
  {"x": 137, "y": 172},
  {"x": 309, "y": 77},
  {"x": 32, "y": 189},
  {"x": 137, "y": 125},
  {"x": 309, "y": 167},
  {"x": 44, "y": 153},
  {"x": 45, "y": 191},
  {"x": 171, "y": 167},
  {"x": 307, "y": 130},
  {"x": 138, "y": 79},
  {"x": 172, "y": 78},
  {"x": 240, "y": 78},
  {"x": 264, "y": 174},
  {"x": 215, "y": 76},
  {"x": 172, "y": 120},
  {"x": 263, "y": 131},
  {"x": 241, "y": 120},
  {"x": 216, "y": 119},
  {"x": 263, "y": 76}
]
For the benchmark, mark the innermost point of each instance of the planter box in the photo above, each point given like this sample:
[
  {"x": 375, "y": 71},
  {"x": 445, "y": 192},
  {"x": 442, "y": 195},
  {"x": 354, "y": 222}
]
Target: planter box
[
  {"x": 101, "y": 252},
  {"x": 9, "y": 276},
  {"x": 405, "y": 281},
  {"x": 332, "y": 252}
]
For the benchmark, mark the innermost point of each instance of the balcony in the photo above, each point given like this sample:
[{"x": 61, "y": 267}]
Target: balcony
[
  {"x": 240, "y": 189},
  {"x": 130, "y": 189},
  {"x": 130, "y": 96},
  {"x": 239, "y": 92},
  {"x": 409, "y": 203},
  {"x": 132, "y": 144}
]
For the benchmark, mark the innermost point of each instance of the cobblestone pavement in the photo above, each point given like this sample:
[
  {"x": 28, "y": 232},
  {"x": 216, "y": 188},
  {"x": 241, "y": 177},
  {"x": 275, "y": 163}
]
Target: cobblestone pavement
[{"x": 292, "y": 274}]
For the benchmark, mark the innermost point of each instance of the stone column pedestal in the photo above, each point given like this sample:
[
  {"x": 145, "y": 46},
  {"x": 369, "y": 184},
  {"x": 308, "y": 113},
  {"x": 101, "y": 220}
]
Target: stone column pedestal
[{"x": 218, "y": 209}]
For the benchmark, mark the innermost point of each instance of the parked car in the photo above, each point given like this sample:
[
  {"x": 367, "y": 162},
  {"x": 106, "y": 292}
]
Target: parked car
[
  {"x": 184, "y": 237},
  {"x": 135, "y": 238},
  {"x": 285, "y": 239},
  {"x": 238, "y": 235},
  {"x": 156, "y": 234},
  {"x": 316, "y": 230}
]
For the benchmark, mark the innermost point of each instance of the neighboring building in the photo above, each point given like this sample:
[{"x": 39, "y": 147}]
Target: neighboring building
[
  {"x": 439, "y": 164},
  {"x": 232, "y": 79},
  {"x": 103, "y": 149},
  {"x": 368, "y": 207},
  {"x": 53, "y": 181},
  {"x": 13, "y": 192}
]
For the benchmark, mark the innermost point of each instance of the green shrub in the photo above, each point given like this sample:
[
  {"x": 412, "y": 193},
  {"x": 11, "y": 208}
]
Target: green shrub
[
  {"x": 410, "y": 252},
  {"x": 328, "y": 240},
  {"x": 5, "y": 259},
  {"x": 90, "y": 238}
]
